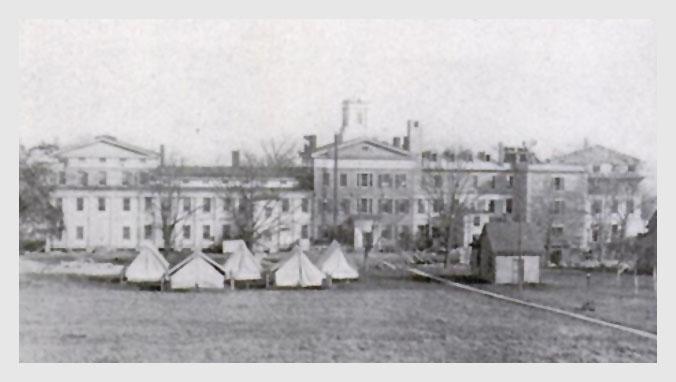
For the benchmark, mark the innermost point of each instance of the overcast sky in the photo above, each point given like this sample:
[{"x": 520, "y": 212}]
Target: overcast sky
[{"x": 204, "y": 88}]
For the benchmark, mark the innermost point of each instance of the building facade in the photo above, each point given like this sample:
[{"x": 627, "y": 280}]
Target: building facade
[
  {"x": 392, "y": 193},
  {"x": 109, "y": 198}
]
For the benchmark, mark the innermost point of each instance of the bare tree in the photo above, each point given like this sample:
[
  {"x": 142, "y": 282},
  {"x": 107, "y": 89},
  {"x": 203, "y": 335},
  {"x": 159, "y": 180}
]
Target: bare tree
[
  {"x": 450, "y": 188},
  {"x": 253, "y": 199},
  {"x": 165, "y": 184}
]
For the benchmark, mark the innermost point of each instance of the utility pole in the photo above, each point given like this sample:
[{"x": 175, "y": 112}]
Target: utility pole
[
  {"x": 336, "y": 140},
  {"x": 518, "y": 195}
]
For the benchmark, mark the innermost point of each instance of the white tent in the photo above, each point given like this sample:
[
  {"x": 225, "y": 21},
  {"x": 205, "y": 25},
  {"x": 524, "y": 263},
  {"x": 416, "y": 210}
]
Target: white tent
[
  {"x": 241, "y": 265},
  {"x": 298, "y": 271},
  {"x": 334, "y": 263},
  {"x": 149, "y": 266},
  {"x": 197, "y": 271}
]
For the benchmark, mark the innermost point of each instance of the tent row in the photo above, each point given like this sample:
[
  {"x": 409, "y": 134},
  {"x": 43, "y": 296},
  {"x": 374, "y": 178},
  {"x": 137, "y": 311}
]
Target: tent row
[{"x": 200, "y": 271}]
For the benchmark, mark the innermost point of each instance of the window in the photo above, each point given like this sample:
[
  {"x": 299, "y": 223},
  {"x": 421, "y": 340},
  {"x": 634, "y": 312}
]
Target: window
[
  {"x": 148, "y": 203},
  {"x": 82, "y": 159},
  {"x": 615, "y": 206},
  {"x": 615, "y": 229},
  {"x": 206, "y": 232},
  {"x": 268, "y": 212},
  {"x": 148, "y": 232},
  {"x": 345, "y": 206},
  {"x": 402, "y": 206},
  {"x": 559, "y": 207},
  {"x": 595, "y": 235},
  {"x": 400, "y": 181},
  {"x": 304, "y": 232},
  {"x": 597, "y": 206},
  {"x": 59, "y": 203},
  {"x": 384, "y": 180},
  {"x": 79, "y": 232},
  {"x": 631, "y": 168},
  {"x": 365, "y": 180},
  {"x": 493, "y": 181},
  {"x": 366, "y": 205},
  {"x": 423, "y": 229},
  {"x": 557, "y": 231},
  {"x": 438, "y": 181},
  {"x": 102, "y": 204},
  {"x": 596, "y": 168},
  {"x": 343, "y": 180},
  {"x": 558, "y": 183},
  {"x": 102, "y": 160},
  {"x": 386, "y": 232},
  {"x": 508, "y": 205},
  {"x": 242, "y": 207},
  {"x": 122, "y": 161},
  {"x": 225, "y": 231},
  {"x": 126, "y": 233},
  {"x": 84, "y": 178},
  {"x": 285, "y": 205},
  {"x": 187, "y": 205},
  {"x": 304, "y": 206},
  {"x": 477, "y": 221},
  {"x": 126, "y": 178},
  {"x": 206, "y": 205},
  {"x": 630, "y": 206},
  {"x": 437, "y": 205},
  {"x": 143, "y": 177},
  {"x": 126, "y": 204},
  {"x": 475, "y": 180},
  {"x": 385, "y": 206},
  {"x": 80, "y": 204},
  {"x": 421, "y": 206},
  {"x": 62, "y": 177},
  {"x": 510, "y": 181},
  {"x": 103, "y": 178},
  {"x": 326, "y": 178},
  {"x": 227, "y": 204},
  {"x": 491, "y": 206},
  {"x": 186, "y": 232}
]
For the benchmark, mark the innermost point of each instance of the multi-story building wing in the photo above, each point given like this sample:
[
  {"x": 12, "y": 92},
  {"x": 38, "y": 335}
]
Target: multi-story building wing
[
  {"x": 613, "y": 202},
  {"x": 371, "y": 189},
  {"x": 98, "y": 190},
  {"x": 111, "y": 197}
]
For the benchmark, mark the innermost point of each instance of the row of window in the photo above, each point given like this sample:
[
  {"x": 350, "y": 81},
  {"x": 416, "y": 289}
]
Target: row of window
[
  {"x": 366, "y": 180},
  {"x": 101, "y": 178},
  {"x": 186, "y": 202},
  {"x": 186, "y": 232},
  {"x": 103, "y": 160},
  {"x": 597, "y": 206}
]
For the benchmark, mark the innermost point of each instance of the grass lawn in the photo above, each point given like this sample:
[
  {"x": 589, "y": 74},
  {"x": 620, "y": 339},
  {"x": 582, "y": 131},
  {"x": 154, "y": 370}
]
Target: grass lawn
[
  {"x": 567, "y": 289},
  {"x": 386, "y": 317}
]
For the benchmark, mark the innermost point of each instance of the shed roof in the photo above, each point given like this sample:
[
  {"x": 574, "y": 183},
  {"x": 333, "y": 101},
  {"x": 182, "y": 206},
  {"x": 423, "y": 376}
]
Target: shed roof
[{"x": 504, "y": 238}]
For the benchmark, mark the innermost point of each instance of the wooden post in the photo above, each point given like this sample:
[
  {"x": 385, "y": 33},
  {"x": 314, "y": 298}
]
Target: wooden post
[
  {"x": 636, "y": 279},
  {"x": 329, "y": 281},
  {"x": 232, "y": 283}
]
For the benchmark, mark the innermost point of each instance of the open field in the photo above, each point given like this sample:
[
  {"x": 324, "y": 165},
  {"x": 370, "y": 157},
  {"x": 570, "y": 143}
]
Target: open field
[
  {"x": 567, "y": 289},
  {"x": 387, "y": 317}
]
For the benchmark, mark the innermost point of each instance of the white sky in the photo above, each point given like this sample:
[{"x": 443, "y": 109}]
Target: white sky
[{"x": 204, "y": 88}]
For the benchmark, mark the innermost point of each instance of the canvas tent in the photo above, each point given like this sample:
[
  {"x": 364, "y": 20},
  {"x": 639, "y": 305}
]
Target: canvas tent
[
  {"x": 149, "y": 266},
  {"x": 196, "y": 271},
  {"x": 241, "y": 265},
  {"x": 334, "y": 263},
  {"x": 298, "y": 271}
]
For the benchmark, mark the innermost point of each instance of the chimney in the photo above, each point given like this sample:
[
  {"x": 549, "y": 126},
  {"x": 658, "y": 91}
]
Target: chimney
[
  {"x": 407, "y": 144},
  {"x": 501, "y": 152},
  {"x": 414, "y": 134},
  {"x": 585, "y": 144},
  {"x": 396, "y": 142},
  {"x": 161, "y": 155},
  {"x": 311, "y": 143},
  {"x": 235, "y": 158}
]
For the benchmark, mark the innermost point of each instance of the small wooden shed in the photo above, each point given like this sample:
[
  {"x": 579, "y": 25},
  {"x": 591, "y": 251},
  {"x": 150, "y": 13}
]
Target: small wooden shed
[{"x": 499, "y": 248}]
